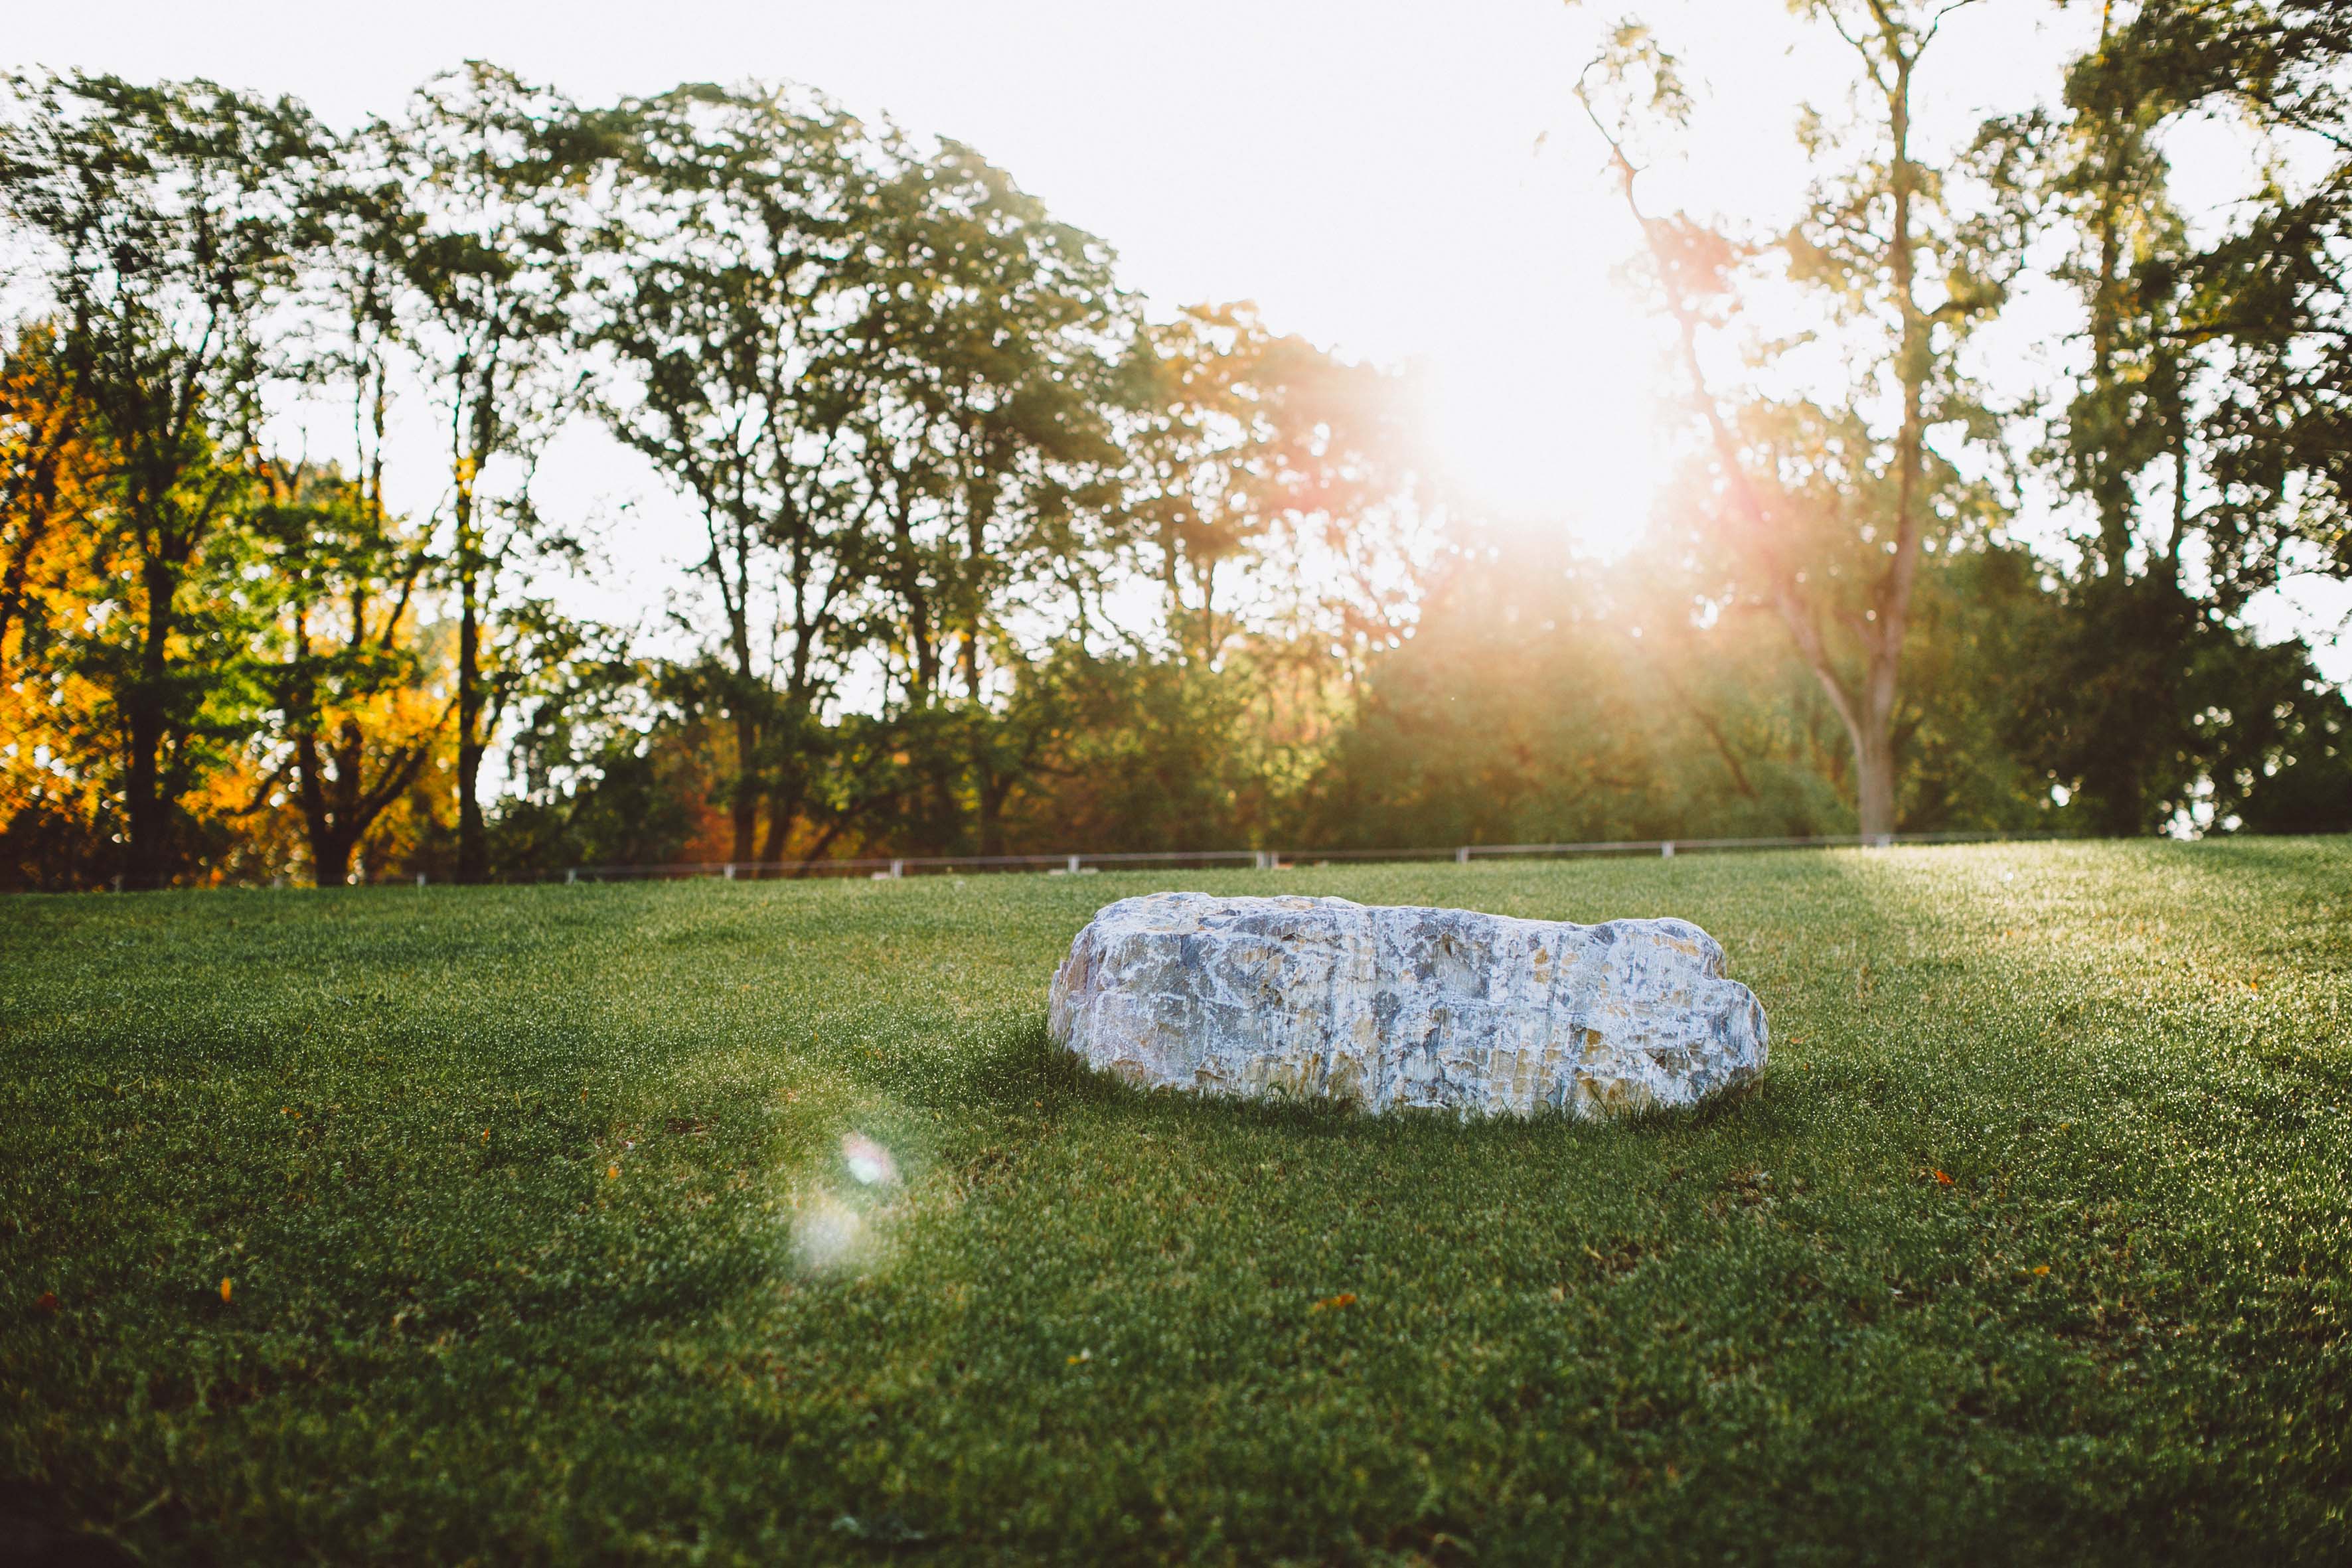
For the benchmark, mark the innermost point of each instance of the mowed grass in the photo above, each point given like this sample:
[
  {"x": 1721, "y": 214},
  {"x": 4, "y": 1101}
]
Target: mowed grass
[{"x": 541, "y": 1245}]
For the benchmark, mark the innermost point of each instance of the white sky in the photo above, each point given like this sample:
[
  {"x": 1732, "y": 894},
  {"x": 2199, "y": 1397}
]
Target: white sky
[{"x": 1367, "y": 171}]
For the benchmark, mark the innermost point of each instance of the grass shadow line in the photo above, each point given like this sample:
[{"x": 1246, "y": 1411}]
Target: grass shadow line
[{"x": 1023, "y": 1070}]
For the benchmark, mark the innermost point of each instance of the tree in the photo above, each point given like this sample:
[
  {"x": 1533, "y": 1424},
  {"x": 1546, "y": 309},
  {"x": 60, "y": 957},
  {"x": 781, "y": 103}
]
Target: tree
[
  {"x": 1199, "y": 439},
  {"x": 53, "y": 815},
  {"x": 1650, "y": 726},
  {"x": 474, "y": 190},
  {"x": 734, "y": 261},
  {"x": 48, "y": 469},
  {"x": 355, "y": 724},
  {"x": 1355, "y": 523},
  {"x": 1289, "y": 471},
  {"x": 606, "y": 770},
  {"x": 41, "y": 448},
  {"x": 1656, "y": 722},
  {"x": 1826, "y": 507},
  {"x": 2256, "y": 320},
  {"x": 169, "y": 220},
  {"x": 983, "y": 359},
  {"x": 2206, "y": 428}
]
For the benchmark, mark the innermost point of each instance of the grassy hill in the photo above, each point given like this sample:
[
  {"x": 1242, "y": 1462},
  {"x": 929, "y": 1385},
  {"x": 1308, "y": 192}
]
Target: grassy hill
[{"x": 516, "y": 1225}]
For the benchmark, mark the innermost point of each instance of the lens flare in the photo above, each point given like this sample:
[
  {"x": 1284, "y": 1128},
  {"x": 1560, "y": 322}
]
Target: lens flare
[
  {"x": 867, "y": 1160},
  {"x": 828, "y": 1234}
]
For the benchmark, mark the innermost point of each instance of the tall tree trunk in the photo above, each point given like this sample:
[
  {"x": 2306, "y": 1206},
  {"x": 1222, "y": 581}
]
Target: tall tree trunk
[
  {"x": 1875, "y": 759},
  {"x": 148, "y": 863},
  {"x": 994, "y": 789},
  {"x": 311, "y": 792},
  {"x": 1174, "y": 587},
  {"x": 331, "y": 857},
  {"x": 743, "y": 802},
  {"x": 473, "y": 842},
  {"x": 988, "y": 800},
  {"x": 1209, "y": 641},
  {"x": 1874, "y": 768},
  {"x": 923, "y": 672},
  {"x": 343, "y": 815},
  {"x": 338, "y": 809},
  {"x": 783, "y": 807},
  {"x": 975, "y": 587},
  {"x": 1867, "y": 712},
  {"x": 982, "y": 760}
]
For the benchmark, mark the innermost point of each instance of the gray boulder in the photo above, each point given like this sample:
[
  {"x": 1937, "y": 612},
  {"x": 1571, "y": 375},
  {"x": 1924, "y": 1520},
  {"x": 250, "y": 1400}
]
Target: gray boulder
[{"x": 1394, "y": 1006}]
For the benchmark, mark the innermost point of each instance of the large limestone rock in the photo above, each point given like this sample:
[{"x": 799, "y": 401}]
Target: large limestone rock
[{"x": 1386, "y": 1007}]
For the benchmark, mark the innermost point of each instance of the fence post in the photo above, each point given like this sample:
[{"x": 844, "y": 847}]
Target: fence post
[
  {"x": 420, "y": 878},
  {"x": 731, "y": 870},
  {"x": 1262, "y": 860},
  {"x": 1666, "y": 850},
  {"x": 897, "y": 869},
  {"x": 570, "y": 875},
  {"x": 1073, "y": 867},
  {"x": 1461, "y": 855}
]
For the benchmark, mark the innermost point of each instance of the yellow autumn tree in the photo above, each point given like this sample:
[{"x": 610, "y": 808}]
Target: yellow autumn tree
[{"x": 55, "y": 827}]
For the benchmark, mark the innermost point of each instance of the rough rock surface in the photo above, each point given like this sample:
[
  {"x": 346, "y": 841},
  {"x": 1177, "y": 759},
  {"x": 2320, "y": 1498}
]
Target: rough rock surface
[{"x": 1390, "y": 1007}]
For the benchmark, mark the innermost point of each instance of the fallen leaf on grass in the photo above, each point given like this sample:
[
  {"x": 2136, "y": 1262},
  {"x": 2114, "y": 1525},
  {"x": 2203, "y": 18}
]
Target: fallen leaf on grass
[
  {"x": 225, "y": 1288},
  {"x": 1333, "y": 1303},
  {"x": 47, "y": 1301},
  {"x": 612, "y": 1173},
  {"x": 1942, "y": 1180},
  {"x": 2041, "y": 1268}
]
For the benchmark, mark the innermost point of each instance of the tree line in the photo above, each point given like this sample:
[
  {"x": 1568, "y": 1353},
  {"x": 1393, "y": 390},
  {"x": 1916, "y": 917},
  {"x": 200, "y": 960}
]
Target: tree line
[{"x": 989, "y": 556}]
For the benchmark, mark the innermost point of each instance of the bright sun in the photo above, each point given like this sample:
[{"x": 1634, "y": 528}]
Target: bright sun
[{"x": 1556, "y": 426}]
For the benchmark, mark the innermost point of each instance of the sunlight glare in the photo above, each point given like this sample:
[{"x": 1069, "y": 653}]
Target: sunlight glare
[{"x": 1556, "y": 429}]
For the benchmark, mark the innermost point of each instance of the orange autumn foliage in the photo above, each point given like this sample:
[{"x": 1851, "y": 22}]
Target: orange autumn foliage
[{"x": 51, "y": 585}]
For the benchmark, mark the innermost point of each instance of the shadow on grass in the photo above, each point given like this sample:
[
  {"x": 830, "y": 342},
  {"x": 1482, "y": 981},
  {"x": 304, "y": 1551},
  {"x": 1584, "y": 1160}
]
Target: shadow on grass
[
  {"x": 1023, "y": 1070},
  {"x": 2293, "y": 857}
]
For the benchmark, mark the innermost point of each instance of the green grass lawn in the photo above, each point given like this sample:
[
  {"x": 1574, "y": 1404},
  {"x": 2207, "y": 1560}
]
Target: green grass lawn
[{"x": 541, "y": 1245}]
